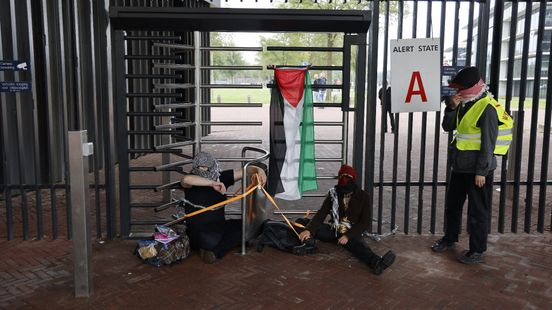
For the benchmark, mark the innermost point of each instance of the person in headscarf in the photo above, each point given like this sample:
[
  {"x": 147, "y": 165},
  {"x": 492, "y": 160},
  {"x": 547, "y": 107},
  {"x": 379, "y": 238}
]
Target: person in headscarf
[
  {"x": 347, "y": 206},
  {"x": 483, "y": 129},
  {"x": 206, "y": 185}
]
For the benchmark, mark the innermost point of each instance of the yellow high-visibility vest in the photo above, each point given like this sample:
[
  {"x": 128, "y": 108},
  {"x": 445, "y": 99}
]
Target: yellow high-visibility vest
[{"x": 468, "y": 135}]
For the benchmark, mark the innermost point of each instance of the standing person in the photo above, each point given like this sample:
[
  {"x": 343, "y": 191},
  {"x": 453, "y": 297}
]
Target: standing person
[
  {"x": 316, "y": 93},
  {"x": 348, "y": 206},
  {"x": 483, "y": 129},
  {"x": 387, "y": 107},
  {"x": 210, "y": 232},
  {"x": 322, "y": 91}
]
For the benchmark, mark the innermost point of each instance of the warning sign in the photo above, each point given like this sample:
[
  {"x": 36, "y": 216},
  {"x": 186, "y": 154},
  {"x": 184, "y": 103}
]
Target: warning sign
[
  {"x": 415, "y": 75},
  {"x": 15, "y": 87},
  {"x": 14, "y": 65}
]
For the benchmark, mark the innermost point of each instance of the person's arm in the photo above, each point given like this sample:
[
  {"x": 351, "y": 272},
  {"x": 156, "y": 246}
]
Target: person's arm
[
  {"x": 190, "y": 180},
  {"x": 449, "y": 120},
  {"x": 320, "y": 216},
  {"x": 365, "y": 217},
  {"x": 488, "y": 122},
  {"x": 238, "y": 173}
]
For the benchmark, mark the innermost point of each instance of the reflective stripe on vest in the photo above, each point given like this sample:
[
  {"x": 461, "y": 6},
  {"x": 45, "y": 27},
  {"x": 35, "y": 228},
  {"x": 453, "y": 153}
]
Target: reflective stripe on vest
[{"x": 468, "y": 135}]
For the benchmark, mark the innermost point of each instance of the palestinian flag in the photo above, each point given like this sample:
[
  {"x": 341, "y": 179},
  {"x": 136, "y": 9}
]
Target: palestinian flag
[{"x": 292, "y": 167}]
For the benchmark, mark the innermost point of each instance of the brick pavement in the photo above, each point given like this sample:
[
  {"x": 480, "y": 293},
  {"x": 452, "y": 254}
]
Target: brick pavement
[{"x": 516, "y": 276}]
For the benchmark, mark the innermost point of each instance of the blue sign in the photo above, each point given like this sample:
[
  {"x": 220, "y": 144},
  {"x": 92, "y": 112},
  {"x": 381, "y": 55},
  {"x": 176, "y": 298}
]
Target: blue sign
[
  {"x": 15, "y": 87},
  {"x": 447, "y": 91},
  {"x": 451, "y": 70},
  {"x": 14, "y": 65}
]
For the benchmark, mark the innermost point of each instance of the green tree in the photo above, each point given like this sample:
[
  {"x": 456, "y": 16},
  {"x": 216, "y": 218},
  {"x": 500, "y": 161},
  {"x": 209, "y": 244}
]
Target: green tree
[
  {"x": 225, "y": 58},
  {"x": 330, "y": 39}
]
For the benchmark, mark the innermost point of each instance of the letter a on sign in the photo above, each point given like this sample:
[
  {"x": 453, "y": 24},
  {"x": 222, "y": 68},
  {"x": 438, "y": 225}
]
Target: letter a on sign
[{"x": 416, "y": 77}]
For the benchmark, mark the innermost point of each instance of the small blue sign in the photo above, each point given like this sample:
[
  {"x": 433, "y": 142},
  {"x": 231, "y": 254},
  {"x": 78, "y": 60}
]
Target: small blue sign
[
  {"x": 451, "y": 70},
  {"x": 14, "y": 65},
  {"x": 15, "y": 87}
]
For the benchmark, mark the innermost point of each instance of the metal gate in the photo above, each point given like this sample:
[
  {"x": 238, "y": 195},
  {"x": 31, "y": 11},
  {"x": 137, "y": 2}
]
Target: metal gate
[
  {"x": 69, "y": 44},
  {"x": 509, "y": 41},
  {"x": 186, "y": 122}
]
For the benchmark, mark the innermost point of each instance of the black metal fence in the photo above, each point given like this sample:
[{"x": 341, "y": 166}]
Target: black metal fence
[
  {"x": 68, "y": 46},
  {"x": 510, "y": 43}
]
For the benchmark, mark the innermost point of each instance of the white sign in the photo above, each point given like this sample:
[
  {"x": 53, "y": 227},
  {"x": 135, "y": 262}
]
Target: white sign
[{"x": 415, "y": 75}]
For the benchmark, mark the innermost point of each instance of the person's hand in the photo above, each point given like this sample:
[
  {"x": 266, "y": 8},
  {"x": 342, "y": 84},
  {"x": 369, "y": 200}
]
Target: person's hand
[
  {"x": 304, "y": 235},
  {"x": 343, "y": 240},
  {"x": 454, "y": 102},
  {"x": 479, "y": 181},
  {"x": 219, "y": 187}
]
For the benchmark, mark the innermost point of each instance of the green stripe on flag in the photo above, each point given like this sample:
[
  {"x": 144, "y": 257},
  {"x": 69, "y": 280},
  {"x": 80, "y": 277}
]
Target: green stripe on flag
[{"x": 307, "y": 164}]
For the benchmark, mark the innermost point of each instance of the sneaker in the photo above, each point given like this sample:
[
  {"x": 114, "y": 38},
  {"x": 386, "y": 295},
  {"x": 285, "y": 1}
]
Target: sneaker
[
  {"x": 471, "y": 258},
  {"x": 207, "y": 256},
  {"x": 442, "y": 245},
  {"x": 385, "y": 262}
]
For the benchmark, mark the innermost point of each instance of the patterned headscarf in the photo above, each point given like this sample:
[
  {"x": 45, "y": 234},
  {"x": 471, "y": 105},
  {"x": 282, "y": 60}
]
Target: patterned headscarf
[
  {"x": 209, "y": 161},
  {"x": 472, "y": 93}
]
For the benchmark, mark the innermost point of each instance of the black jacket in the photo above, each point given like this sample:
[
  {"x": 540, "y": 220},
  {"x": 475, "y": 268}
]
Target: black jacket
[
  {"x": 482, "y": 162},
  {"x": 358, "y": 213}
]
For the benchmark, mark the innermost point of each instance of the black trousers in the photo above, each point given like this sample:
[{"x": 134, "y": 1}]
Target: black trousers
[
  {"x": 462, "y": 185},
  {"x": 355, "y": 246},
  {"x": 220, "y": 239},
  {"x": 392, "y": 120}
]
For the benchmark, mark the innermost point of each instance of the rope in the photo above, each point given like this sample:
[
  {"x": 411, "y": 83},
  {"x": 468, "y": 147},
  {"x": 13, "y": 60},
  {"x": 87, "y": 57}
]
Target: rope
[
  {"x": 275, "y": 205},
  {"x": 250, "y": 189},
  {"x": 247, "y": 193}
]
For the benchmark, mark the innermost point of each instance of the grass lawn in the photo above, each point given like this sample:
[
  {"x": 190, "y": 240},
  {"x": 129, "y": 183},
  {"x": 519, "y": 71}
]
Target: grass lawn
[
  {"x": 263, "y": 96},
  {"x": 240, "y": 95},
  {"x": 257, "y": 96},
  {"x": 526, "y": 105}
]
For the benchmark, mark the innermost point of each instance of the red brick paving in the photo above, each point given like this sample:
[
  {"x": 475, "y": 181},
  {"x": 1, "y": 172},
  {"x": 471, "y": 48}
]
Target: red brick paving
[{"x": 517, "y": 275}]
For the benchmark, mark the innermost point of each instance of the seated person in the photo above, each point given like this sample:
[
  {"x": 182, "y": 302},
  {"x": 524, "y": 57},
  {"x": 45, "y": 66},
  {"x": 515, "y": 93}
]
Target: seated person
[
  {"x": 210, "y": 232},
  {"x": 348, "y": 206}
]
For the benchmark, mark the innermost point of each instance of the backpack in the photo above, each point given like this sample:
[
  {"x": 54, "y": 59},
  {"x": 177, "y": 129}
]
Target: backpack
[
  {"x": 280, "y": 236},
  {"x": 157, "y": 253}
]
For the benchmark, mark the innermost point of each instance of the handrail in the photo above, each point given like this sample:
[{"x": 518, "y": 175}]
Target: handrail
[{"x": 244, "y": 184}]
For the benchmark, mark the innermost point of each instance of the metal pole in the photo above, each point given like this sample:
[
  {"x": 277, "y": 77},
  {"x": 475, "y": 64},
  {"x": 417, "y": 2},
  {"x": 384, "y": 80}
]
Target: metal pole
[
  {"x": 79, "y": 150},
  {"x": 371, "y": 109},
  {"x": 244, "y": 206},
  {"x": 197, "y": 62}
]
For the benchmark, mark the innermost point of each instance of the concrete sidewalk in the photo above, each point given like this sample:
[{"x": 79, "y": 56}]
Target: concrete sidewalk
[{"x": 517, "y": 275}]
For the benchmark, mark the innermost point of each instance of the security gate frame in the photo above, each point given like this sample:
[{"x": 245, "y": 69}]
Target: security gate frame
[
  {"x": 197, "y": 20},
  {"x": 68, "y": 44}
]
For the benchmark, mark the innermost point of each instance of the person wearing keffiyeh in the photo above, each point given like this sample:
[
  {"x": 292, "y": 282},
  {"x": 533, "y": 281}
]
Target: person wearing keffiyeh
[
  {"x": 347, "y": 206},
  {"x": 482, "y": 129},
  {"x": 206, "y": 185}
]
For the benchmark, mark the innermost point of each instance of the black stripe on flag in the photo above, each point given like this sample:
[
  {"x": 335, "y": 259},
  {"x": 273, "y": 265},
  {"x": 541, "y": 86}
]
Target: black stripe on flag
[{"x": 277, "y": 142}]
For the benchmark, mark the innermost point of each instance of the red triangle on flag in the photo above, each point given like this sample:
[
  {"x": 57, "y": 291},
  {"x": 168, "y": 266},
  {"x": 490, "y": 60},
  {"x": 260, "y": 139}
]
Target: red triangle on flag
[{"x": 291, "y": 83}]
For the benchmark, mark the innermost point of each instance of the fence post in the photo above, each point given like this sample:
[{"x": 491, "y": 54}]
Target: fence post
[
  {"x": 512, "y": 158},
  {"x": 79, "y": 150}
]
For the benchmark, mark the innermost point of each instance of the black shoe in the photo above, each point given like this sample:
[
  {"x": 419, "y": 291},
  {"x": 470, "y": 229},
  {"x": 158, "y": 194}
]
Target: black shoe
[
  {"x": 442, "y": 245},
  {"x": 207, "y": 256},
  {"x": 308, "y": 247},
  {"x": 471, "y": 258},
  {"x": 384, "y": 262}
]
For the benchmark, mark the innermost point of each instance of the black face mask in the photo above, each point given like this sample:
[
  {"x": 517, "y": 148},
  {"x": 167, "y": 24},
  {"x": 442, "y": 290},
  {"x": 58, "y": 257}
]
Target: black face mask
[{"x": 347, "y": 188}]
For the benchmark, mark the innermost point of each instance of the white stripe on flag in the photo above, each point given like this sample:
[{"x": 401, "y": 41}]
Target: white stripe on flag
[{"x": 290, "y": 169}]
